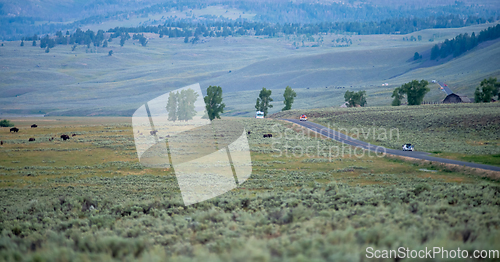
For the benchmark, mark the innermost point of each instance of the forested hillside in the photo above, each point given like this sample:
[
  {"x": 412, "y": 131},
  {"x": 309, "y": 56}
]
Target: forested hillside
[{"x": 23, "y": 18}]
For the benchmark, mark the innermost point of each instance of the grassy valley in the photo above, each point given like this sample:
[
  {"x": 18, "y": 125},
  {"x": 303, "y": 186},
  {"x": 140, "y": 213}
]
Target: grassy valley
[
  {"x": 88, "y": 198},
  {"x": 86, "y": 81}
]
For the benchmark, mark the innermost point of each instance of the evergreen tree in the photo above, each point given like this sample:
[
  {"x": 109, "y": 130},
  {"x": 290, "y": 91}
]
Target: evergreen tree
[
  {"x": 416, "y": 56},
  {"x": 434, "y": 52}
]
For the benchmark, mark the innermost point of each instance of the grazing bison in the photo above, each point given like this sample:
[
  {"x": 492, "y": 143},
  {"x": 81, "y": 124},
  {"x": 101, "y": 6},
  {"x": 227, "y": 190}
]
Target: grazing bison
[
  {"x": 249, "y": 132},
  {"x": 15, "y": 129},
  {"x": 153, "y": 132},
  {"x": 33, "y": 126},
  {"x": 64, "y": 137},
  {"x": 32, "y": 139},
  {"x": 73, "y": 135},
  {"x": 1, "y": 143},
  {"x": 268, "y": 135}
]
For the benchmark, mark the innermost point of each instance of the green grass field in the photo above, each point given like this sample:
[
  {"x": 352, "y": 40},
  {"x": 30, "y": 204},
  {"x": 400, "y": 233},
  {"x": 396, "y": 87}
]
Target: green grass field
[
  {"x": 296, "y": 204},
  {"x": 459, "y": 131}
]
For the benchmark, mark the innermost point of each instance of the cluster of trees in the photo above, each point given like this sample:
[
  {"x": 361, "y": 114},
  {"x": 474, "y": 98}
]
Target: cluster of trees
[
  {"x": 414, "y": 92},
  {"x": 180, "y": 105},
  {"x": 417, "y": 56},
  {"x": 355, "y": 99},
  {"x": 79, "y": 37},
  {"x": 488, "y": 89},
  {"x": 142, "y": 39},
  {"x": 385, "y": 17},
  {"x": 264, "y": 100},
  {"x": 184, "y": 28},
  {"x": 463, "y": 42},
  {"x": 214, "y": 105},
  {"x": 300, "y": 11}
]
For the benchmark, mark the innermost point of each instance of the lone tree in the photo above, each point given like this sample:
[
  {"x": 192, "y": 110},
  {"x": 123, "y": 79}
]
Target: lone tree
[
  {"x": 355, "y": 98},
  {"x": 417, "y": 56},
  {"x": 489, "y": 89},
  {"x": 264, "y": 100},
  {"x": 213, "y": 102},
  {"x": 110, "y": 53},
  {"x": 172, "y": 106},
  {"x": 414, "y": 91},
  {"x": 289, "y": 97},
  {"x": 185, "y": 107}
]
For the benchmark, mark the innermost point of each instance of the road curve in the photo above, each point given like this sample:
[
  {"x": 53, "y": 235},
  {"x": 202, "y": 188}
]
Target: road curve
[
  {"x": 445, "y": 88},
  {"x": 379, "y": 149}
]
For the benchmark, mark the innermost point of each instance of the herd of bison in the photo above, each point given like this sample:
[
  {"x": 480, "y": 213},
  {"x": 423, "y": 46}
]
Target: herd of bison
[
  {"x": 66, "y": 137},
  {"x": 15, "y": 130}
]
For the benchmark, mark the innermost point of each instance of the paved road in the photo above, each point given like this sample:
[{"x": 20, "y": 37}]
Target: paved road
[
  {"x": 446, "y": 89},
  {"x": 358, "y": 143}
]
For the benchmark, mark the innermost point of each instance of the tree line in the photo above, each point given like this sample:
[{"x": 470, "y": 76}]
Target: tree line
[
  {"x": 214, "y": 106},
  {"x": 463, "y": 43},
  {"x": 211, "y": 28},
  {"x": 13, "y": 28},
  {"x": 243, "y": 27}
]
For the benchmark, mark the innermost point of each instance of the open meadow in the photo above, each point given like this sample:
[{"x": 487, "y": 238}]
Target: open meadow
[
  {"x": 466, "y": 131},
  {"x": 88, "y": 198}
]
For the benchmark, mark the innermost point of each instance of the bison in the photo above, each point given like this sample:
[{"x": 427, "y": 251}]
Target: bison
[
  {"x": 1, "y": 143},
  {"x": 73, "y": 135},
  {"x": 268, "y": 135},
  {"x": 33, "y": 126},
  {"x": 153, "y": 132},
  {"x": 64, "y": 137},
  {"x": 15, "y": 129},
  {"x": 32, "y": 139},
  {"x": 249, "y": 132}
]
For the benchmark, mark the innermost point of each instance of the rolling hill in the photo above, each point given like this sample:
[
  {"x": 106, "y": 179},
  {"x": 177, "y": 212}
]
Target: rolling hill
[{"x": 87, "y": 81}]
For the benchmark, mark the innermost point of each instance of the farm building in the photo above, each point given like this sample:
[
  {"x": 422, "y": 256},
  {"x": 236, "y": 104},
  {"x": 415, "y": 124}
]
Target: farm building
[{"x": 456, "y": 98}]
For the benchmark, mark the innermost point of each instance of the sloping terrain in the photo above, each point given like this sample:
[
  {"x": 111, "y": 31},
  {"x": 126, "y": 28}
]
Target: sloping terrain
[{"x": 87, "y": 81}]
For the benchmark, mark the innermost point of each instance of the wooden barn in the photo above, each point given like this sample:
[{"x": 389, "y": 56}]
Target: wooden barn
[{"x": 456, "y": 98}]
